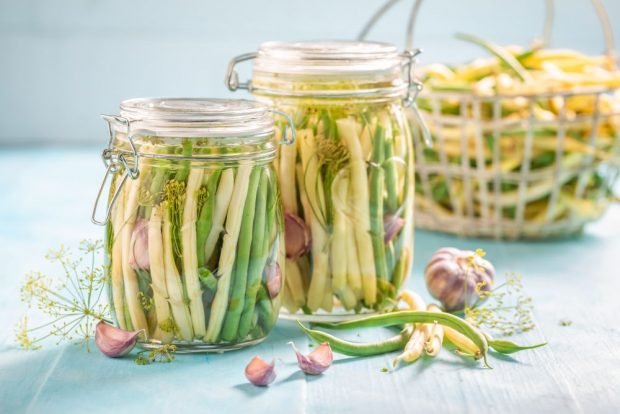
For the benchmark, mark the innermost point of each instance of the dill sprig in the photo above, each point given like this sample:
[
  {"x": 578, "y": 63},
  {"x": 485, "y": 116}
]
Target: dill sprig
[
  {"x": 472, "y": 262},
  {"x": 163, "y": 354},
  {"x": 146, "y": 301},
  {"x": 506, "y": 310},
  {"x": 201, "y": 199},
  {"x": 72, "y": 301},
  {"x": 174, "y": 194},
  {"x": 333, "y": 154}
]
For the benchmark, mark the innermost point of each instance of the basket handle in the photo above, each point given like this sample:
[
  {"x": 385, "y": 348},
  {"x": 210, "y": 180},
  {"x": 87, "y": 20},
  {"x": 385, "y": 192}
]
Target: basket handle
[{"x": 598, "y": 6}]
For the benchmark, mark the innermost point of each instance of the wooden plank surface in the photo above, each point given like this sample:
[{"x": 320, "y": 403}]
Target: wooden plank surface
[{"x": 46, "y": 200}]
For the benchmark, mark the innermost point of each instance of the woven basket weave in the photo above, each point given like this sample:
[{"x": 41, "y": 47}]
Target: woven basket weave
[
  {"x": 491, "y": 175},
  {"x": 467, "y": 184}
]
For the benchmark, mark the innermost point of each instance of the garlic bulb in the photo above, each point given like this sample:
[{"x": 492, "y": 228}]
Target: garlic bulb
[{"x": 452, "y": 276}]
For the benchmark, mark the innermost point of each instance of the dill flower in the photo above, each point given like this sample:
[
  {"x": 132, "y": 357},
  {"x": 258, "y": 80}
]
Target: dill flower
[
  {"x": 507, "y": 310},
  {"x": 72, "y": 302}
]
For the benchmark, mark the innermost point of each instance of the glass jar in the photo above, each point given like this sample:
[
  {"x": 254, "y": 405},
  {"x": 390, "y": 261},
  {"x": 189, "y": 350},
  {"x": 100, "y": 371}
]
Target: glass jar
[
  {"x": 194, "y": 237},
  {"x": 348, "y": 185}
]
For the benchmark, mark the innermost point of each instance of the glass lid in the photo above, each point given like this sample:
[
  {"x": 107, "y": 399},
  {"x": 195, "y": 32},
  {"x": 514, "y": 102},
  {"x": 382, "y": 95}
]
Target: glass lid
[
  {"x": 194, "y": 117},
  {"x": 327, "y": 56}
]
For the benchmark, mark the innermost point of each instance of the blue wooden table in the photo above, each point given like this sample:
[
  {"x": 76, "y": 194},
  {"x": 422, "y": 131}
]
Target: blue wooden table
[{"x": 46, "y": 200}]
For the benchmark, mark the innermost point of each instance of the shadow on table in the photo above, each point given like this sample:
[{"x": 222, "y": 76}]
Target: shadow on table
[
  {"x": 251, "y": 390},
  {"x": 300, "y": 375}
]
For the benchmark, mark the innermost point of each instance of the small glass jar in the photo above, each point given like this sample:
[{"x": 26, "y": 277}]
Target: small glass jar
[
  {"x": 348, "y": 185},
  {"x": 194, "y": 237}
]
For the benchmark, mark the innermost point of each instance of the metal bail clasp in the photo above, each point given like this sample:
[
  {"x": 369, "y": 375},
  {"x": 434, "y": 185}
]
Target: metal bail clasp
[
  {"x": 291, "y": 127},
  {"x": 114, "y": 160},
  {"x": 414, "y": 87},
  {"x": 110, "y": 170},
  {"x": 232, "y": 77}
]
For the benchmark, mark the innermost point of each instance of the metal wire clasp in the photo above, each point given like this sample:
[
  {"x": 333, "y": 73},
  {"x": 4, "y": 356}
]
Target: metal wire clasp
[
  {"x": 232, "y": 77},
  {"x": 114, "y": 160},
  {"x": 291, "y": 127},
  {"x": 414, "y": 87}
]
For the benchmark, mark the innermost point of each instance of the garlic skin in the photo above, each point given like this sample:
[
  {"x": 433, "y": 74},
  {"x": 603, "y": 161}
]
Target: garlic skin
[
  {"x": 114, "y": 342},
  {"x": 139, "y": 246},
  {"x": 452, "y": 275},
  {"x": 259, "y": 372},
  {"x": 297, "y": 236},
  {"x": 392, "y": 225},
  {"x": 273, "y": 278},
  {"x": 317, "y": 361}
]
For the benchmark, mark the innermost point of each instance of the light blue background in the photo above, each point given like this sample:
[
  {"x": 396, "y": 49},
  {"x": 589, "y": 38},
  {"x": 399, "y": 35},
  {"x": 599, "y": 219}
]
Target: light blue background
[{"x": 64, "y": 62}]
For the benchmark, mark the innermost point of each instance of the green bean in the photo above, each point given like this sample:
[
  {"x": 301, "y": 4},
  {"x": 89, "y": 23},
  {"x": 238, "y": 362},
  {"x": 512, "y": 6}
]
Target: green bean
[
  {"x": 501, "y": 54},
  {"x": 391, "y": 176},
  {"x": 404, "y": 317},
  {"x": 258, "y": 256},
  {"x": 376, "y": 202},
  {"x": 183, "y": 170},
  {"x": 360, "y": 349},
  {"x": 389, "y": 259},
  {"x": 401, "y": 267},
  {"x": 239, "y": 281},
  {"x": 161, "y": 171},
  {"x": 265, "y": 310},
  {"x": 508, "y": 347},
  {"x": 155, "y": 189},
  {"x": 205, "y": 219}
]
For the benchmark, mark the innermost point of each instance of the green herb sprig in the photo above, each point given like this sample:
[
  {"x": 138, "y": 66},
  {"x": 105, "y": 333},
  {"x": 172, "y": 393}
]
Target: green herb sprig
[
  {"x": 72, "y": 301},
  {"x": 164, "y": 354},
  {"x": 506, "y": 309}
]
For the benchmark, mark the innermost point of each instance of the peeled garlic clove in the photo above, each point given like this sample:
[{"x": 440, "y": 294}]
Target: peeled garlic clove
[
  {"x": 392, "y": 226},
  {"x": 273, "y": 277},
  {"x": 139, "y": 246},
  {"x": 297, "y": 236},
  {"x": 114, "y": 342},
  {"x": 259, "y": 372},
  {"x": 317, "y": 361}
]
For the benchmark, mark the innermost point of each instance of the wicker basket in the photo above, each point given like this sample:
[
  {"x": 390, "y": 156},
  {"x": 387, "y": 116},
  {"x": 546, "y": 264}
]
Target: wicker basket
[
  {"x": 528, "y": 176},
  {"x": 468, "y": 183}
]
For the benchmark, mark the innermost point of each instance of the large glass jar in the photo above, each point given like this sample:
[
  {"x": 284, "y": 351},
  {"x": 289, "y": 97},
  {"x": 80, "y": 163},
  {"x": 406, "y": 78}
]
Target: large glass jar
[
  {"x": 348, "y": 184},
  {"x": 194, "y": 237}
]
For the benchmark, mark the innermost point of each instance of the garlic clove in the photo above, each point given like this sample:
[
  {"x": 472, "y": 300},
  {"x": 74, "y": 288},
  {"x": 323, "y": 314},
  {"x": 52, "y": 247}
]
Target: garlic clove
[
  {"x": 139, "y": 246},
  {"x": 317, "y": 361},
  {"x": 392, "y": 225},
  {"x": 114, "y": 342},
  {"x": 297, "y": 236},
  {"x": 259, "y": 372},
  {"x": 273, "y": 277}
]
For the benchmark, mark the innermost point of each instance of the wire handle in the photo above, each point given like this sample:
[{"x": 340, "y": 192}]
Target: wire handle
[
  {"x": 414, "y": 87},
  {"x": 598, "y": 6},
  {"x": 232, "y": 77},
  {"x": 114, "y": 161},
  {"x": 106, "y": 218},
  {"x": 410, "y": 56},
  {"x": 608, "y": 32},
  {"x": 291, "y": 127}
]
